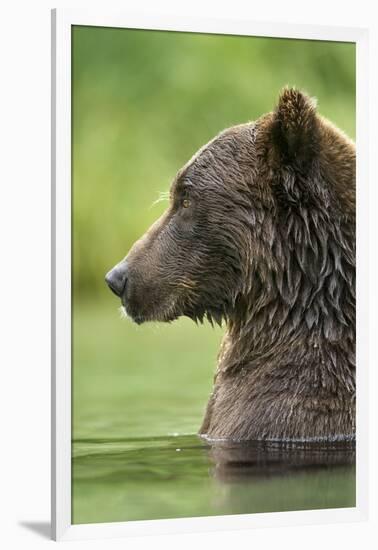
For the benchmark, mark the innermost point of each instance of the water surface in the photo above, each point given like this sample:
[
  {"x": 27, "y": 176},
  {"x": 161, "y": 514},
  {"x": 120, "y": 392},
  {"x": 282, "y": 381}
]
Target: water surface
[{"x": 185, "y": 476}]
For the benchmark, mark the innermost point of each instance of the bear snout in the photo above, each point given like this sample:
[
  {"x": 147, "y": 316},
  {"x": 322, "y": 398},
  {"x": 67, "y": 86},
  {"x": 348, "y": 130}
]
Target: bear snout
[{"x": 116, "y": 278}]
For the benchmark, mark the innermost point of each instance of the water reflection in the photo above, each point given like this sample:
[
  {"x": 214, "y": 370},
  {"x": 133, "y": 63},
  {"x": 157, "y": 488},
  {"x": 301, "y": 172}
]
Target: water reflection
[
  {"x": 185, "y": 476},
  {"x": 235, "y": 461}
]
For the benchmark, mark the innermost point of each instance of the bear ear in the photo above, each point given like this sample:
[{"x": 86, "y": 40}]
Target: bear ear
[{"x": 295, "y": 128}]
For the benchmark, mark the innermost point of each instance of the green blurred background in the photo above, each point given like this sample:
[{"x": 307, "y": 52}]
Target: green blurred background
[{"x": 143, "y": 103}]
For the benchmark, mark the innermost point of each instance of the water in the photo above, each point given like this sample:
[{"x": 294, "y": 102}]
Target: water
[{"x": 117, "y": 479}]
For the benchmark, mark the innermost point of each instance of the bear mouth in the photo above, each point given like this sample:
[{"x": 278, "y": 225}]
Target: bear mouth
[
  {"x": 125, "y": 314},
  {"x": 161, "y": 317}
]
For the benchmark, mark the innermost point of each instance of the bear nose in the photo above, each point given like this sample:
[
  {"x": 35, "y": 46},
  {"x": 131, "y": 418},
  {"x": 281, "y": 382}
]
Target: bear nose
[{"x": 116, "y": 278}]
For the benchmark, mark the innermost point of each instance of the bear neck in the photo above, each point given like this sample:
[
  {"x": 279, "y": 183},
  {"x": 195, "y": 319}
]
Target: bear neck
[{"x": 302, "y": 297}]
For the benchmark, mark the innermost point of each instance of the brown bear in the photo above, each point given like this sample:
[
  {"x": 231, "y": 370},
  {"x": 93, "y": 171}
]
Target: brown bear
[{"x": 260, "y": 234}]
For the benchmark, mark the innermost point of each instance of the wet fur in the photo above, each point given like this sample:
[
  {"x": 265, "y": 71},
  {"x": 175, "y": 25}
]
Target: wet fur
[{"x": 269, "y": 248}]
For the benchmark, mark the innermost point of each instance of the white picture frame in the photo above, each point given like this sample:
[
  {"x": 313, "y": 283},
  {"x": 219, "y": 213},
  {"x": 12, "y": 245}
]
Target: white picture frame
[{"x": 62, "y": 21}]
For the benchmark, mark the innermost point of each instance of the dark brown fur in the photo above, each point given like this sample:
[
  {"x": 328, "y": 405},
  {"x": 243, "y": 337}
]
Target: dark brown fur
[{"x": 266, "y": 243}]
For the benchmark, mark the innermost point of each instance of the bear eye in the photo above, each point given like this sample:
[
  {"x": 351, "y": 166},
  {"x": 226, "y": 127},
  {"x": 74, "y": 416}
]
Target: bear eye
[{"x": 186, "y": 203}]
